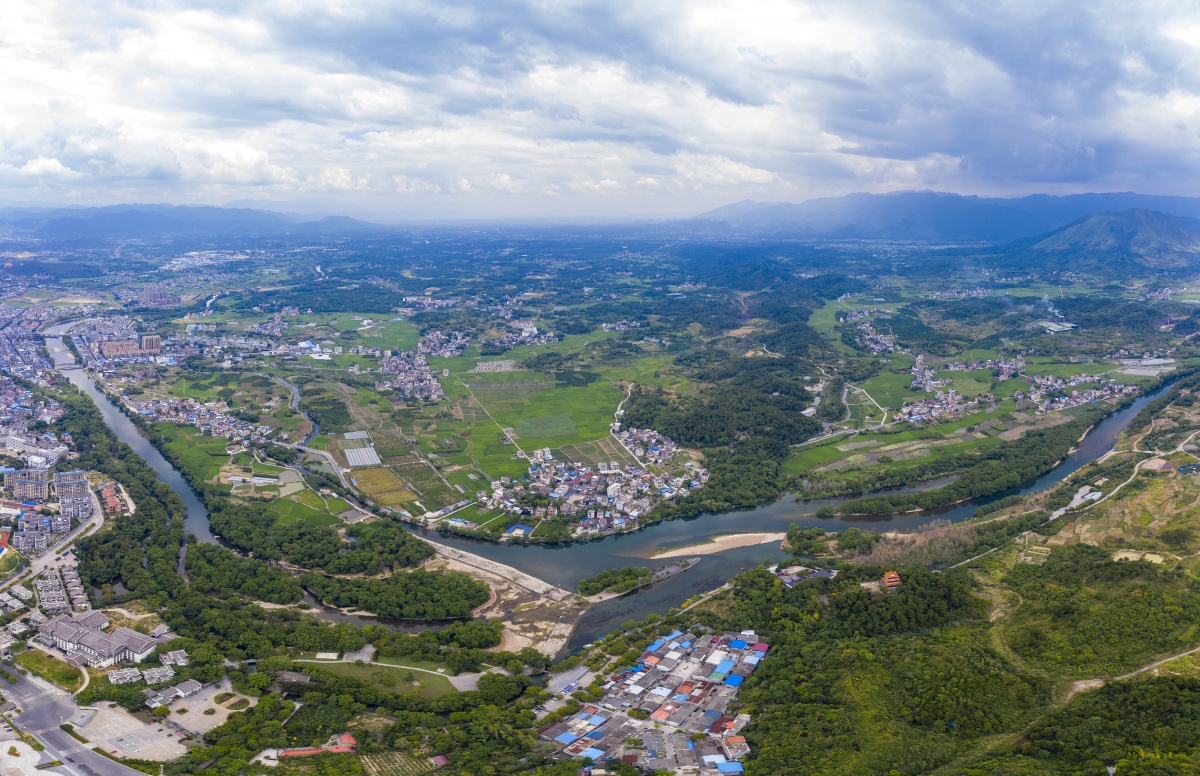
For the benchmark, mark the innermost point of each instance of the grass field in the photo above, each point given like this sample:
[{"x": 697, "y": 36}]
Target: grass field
[
  {"x": 589, "y": 407},
  {"x": 62, "y": 674},
  {"x": 432, "y": 685},
  {"x": 891, "y": 390},
  {"x": 200, "y": 454},
  {"x": 806, "y": 458},
  {"x": 290, "y": 511}
]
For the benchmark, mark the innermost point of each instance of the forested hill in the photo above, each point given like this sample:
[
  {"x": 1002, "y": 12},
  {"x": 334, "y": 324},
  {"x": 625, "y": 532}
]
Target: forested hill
[{"x": 1145, "y": 236}]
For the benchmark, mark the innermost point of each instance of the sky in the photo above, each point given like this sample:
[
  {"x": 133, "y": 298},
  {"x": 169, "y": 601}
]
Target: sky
[{"x": 564, "y": 109}]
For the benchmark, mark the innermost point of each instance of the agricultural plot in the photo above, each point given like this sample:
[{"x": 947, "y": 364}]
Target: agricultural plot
[
  {"x": 891, "y": 390},
  {"x": 291, "y": 511},
  {"x": 390, "y": 335},
  {"x": 395, "y": 764},
  {"x": 544, "y": 409},
  {"x": 604, "y": 450},
  {"x": 384, "y": 487},
  {"x": 547, "y": 427},
  {"x": 430, "y": 489}
]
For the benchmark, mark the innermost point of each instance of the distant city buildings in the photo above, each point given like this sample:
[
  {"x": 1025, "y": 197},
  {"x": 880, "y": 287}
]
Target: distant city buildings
[{"x": 157, "y": 296}]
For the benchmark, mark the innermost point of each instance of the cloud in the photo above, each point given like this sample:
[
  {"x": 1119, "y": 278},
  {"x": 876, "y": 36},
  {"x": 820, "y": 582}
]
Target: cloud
[{"x": 524, "y": 107}]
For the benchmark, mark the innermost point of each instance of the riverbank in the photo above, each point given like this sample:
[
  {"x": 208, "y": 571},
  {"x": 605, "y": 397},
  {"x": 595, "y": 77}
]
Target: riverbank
[{"x": 721, "y": 544}]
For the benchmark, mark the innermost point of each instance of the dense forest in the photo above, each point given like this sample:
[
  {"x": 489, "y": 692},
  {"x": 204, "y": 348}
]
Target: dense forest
[
  {"x": 255, "y": 528},
  {"x": 614, "y": 580},
  {"x": 991, "y": 470},
  {"x": 415, "y": 594}
]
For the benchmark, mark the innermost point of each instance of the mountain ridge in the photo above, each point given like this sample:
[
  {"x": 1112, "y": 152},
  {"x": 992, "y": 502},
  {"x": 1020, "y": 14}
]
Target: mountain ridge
[{"x": 933, "y": 216}]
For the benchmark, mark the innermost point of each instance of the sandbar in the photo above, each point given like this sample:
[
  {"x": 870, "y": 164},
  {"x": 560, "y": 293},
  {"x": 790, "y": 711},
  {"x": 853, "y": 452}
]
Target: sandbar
[{"x": 722, "y": 543}]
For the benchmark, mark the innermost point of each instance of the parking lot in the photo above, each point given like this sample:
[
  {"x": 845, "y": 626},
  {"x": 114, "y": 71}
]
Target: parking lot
[
  {"x": 118, "y": 732},
  {"x": 195, "y": 720}
]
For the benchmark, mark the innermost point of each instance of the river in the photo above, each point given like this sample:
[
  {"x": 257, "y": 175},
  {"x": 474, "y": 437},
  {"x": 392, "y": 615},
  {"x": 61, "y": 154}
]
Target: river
[
  {"x": 566, "y": 565},
  {"x": 196, "y": 521}
]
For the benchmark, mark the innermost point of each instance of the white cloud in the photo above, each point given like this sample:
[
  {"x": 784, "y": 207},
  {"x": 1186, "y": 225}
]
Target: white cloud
[
  {"x": 521, "y": 107},
  {"x": 51, "y": 168}
]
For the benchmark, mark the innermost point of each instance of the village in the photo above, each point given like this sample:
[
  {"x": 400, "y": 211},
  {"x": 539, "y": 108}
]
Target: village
[
  {"x": 523, "y": 334},
  {"x": 1050, "y": 393},
  {"x": 670, "y": 711},
  {"x": 602, "y": 499},
  {"x": 210, "y": 417},
  {"x": 412, "y": 377}
]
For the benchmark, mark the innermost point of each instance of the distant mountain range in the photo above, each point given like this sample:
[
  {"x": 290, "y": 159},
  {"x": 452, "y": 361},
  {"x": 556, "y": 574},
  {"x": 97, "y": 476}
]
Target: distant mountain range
[
  {"x": 932, "y": 216},
  {"x": 150, "y": 222}
]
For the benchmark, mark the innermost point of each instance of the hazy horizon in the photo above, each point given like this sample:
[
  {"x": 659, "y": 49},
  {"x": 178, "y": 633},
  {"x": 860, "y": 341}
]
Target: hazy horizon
[{"x": 515, "y": 110}]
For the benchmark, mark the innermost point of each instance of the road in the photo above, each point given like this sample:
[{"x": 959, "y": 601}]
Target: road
[
  {"x": 294, "y": 403},
  {"x": 43, "y": 708},
  {"x": 337, "y": 469},
  {"x": 461, "y": 682}
]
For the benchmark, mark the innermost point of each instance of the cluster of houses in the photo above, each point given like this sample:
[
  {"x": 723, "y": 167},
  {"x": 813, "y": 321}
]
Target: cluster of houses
[
  {"x": 437, "y": 343},
  {"x": 272, "y": 328},
  {"x": 943, "y": 405},
  {"x": 19, "y": 408},
  {"x": 603, "y": 499},
  {"x": 412, "y": 377},
  {"x": 1056, "y": 393},
  {"x": 871, "y": 340},
  {"x": 678, "y": 693},
  {"x": 11, "y": 602},
  {"x": 523, "y": 333},
  {"x": 648, "y": 445},
  {"x": 21, "y": 351},
  {"x": 39, "y": 451},
  {"x": 56, "y": 595},
  {"x": 157, "y": 675},
  {"x": 962, "y": 293},
  {"x": 621, "y": 326},
  {"x": 36, "y": 529},
  {"x": 211, "y": 417}
]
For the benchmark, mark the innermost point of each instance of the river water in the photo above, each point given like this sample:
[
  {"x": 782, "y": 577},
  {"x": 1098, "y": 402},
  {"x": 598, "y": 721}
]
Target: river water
[
  {"x": 566, "y": 565},
  {"x": 196, "y": 521}
]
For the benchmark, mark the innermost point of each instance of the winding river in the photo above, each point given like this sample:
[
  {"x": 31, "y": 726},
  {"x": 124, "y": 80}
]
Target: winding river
[{"x": 566, "y": 565}]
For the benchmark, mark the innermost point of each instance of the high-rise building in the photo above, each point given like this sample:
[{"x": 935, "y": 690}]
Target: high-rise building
[
  {"x": 28, "y": 484},
  {"x": 157, "y": 296},
  {"x": 151, "y": 343},
  {"x": 70, "y": 484}
]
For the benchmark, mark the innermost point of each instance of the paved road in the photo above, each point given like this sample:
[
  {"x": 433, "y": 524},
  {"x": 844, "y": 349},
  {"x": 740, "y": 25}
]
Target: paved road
[
  {"x": 43, "y": 708},
  {"x": 328, "y": 458}
]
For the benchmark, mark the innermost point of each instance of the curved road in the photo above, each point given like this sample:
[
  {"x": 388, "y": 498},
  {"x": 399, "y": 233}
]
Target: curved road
[{"x": 43, "y": 708}]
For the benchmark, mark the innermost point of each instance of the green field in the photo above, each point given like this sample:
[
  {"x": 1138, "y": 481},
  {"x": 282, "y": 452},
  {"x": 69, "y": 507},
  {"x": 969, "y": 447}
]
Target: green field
[
  {"x": 432, "y": 685},
  {"x": 547, "y": 427},
  {"x": 60, "y": 673},
  {"x": 200, "y": 454},
  {"x": 551, "y": 407},
  {"x": 290, "y": 511},
  {"x": 891, "y": 390}
]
